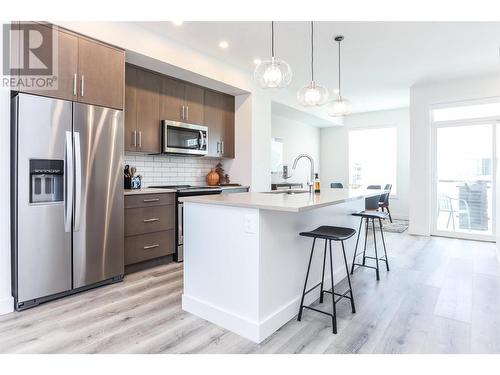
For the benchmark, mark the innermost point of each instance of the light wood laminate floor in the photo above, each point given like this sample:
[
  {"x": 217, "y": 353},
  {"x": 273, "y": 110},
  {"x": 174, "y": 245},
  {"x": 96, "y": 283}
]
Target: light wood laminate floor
[{"x": 441, "y": 296}]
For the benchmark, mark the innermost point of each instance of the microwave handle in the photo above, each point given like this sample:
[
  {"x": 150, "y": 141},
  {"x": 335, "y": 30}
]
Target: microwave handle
[{"x": 202, "y": 139}]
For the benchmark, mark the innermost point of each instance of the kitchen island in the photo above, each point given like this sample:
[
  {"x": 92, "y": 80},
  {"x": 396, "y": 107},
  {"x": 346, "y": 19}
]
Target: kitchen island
[{"x": 244, "y": 261}]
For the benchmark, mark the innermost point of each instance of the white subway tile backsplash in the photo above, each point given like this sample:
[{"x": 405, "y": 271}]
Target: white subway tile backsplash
[{"x": 170, "y": 170}]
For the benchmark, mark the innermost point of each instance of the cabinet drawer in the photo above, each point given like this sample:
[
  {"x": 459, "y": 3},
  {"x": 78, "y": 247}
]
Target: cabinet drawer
[
  {"x": 149, "y": 219},
  {"x": 148, "y": 200},
  {"x": 149, "y": 246}
]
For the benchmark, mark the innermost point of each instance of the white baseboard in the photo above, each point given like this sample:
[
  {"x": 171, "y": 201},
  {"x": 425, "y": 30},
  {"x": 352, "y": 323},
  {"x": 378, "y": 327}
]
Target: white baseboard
[
  {"x": 6, "y": 305},
  {"x": 252, "y": 330}
]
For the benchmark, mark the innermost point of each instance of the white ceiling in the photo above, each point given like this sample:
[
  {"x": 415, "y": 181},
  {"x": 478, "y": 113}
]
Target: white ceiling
[{"x": 380, "y": 60}]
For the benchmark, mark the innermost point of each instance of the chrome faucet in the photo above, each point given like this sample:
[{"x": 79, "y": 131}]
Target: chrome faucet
[{"x": 310, "y": 183}]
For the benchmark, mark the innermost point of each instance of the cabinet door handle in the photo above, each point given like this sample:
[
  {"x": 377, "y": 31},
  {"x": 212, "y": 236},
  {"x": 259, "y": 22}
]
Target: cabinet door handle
[
  {"x": 187, "y": 112},
  {"x": 135, "y": 138},
  {"x": 151, "y": 220},
  {"x": 182, "y": 112},
  {"x": 74, "y": 84},
  {"x": 221, "y": 147},
  {"x": 82, "y": 85},
  {"x": 218, "y": 146},
  {"x": 140, "y": 139},
  {"x": 151, "y": 246},
  {"x": 151, "y": 200}
]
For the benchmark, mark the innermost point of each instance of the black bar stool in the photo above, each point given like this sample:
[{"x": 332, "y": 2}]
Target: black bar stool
[
  {"x": 367, "y": 216},
  {"x": 329, "y": 234}
]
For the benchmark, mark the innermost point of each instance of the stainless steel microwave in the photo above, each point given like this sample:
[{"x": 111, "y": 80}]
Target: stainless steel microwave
[{"x": 182, "y": 138}]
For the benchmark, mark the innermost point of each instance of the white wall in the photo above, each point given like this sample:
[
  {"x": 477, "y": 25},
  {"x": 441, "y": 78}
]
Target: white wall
[
  {"x": 335, "y": 154},
  {"x": 422, "y": 97},
  {"x": 6, "y": 302},
  {"x": 298, "y": 138}
]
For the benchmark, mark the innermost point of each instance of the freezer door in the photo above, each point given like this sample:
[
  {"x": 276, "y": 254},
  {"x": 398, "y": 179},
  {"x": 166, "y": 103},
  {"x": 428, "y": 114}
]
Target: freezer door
[
  {"x": 98, "y": 238},
  {"x": 41, "y": 214}
]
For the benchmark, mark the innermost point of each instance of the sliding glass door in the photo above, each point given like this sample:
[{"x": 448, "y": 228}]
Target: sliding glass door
[{"x": 464, "y": 179}]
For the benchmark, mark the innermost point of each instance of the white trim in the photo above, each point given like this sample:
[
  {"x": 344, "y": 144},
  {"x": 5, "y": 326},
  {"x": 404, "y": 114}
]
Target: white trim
[
  {"x": 433, "y": 201},
  {"x": 6, "y": 305},
  {"x": 252, "y": 330}
]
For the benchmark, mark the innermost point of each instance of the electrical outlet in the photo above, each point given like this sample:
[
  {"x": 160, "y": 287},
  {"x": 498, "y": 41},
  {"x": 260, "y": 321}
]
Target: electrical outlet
[{"x": 249, "y": 224}]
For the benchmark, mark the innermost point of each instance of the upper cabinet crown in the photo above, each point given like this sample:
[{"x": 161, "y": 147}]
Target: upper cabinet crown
[{"x": 88, "y": 71}]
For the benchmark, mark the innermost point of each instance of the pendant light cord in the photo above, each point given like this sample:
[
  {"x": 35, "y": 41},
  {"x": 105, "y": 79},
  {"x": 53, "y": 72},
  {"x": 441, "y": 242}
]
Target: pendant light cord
[
  {"x": 272, "y": 38},
  {"x": 312, "y": 51},
  {"x": 340, "y": 96}
]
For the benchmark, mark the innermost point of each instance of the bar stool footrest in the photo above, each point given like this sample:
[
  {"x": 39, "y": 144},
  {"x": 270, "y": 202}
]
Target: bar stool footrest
[
  {"x": 318, "y": 310},
  {"x": 370, "y": 257},
  {"x": 365, "y": 265},
  {"x": 311, "y": 289}
]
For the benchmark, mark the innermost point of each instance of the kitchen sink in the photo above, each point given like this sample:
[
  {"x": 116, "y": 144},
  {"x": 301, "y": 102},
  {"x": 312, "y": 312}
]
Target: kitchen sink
[{"x": 287, "y": 192}]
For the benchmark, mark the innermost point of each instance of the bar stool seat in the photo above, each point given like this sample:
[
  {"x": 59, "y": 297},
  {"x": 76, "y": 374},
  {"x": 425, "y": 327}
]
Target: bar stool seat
[
  {"x": 368, "y": 215},
  {"x": 372, "y": 214},
  {"x": 329, "y": 234}
]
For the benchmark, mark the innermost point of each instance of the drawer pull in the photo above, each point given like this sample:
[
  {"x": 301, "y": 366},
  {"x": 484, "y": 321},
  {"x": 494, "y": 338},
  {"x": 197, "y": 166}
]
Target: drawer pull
[
  {"x": 151, "y": 200},
  {"x": 151, "y": 246},
  {"x": 151, "y": 220}
]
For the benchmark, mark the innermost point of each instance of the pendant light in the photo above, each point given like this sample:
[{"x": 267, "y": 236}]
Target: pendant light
[
  {"x": 274, "y": 73},
  {"x": 340, "y": 106},
  {"x": 312, "y": 94}
]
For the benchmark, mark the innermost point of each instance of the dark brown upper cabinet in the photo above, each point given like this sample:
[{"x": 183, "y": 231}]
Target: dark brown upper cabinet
[
  {"x": 151, "y": 97},
  {"x": 219, "y": 117},
  {"x": 181, "y": 101},
  {"x": 142, "y": 107},
  {"x": 102, "y": 73},
  {"x": 67, "y": 64},
  {"x": 172, "y": 99},
  {"x": 87, "y": 71}
]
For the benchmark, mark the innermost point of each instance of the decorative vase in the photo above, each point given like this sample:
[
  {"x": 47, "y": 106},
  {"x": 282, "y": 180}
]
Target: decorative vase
[{"x": 213, "y": 178}]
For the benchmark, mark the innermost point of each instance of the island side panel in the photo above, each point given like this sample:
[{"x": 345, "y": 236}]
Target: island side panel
[
  {"x": 284, "y": 256},
  {"x": 221, "y": 250}
]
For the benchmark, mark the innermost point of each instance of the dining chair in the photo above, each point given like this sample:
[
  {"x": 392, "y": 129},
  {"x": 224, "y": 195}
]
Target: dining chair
[{"x": 384, "y": 200}]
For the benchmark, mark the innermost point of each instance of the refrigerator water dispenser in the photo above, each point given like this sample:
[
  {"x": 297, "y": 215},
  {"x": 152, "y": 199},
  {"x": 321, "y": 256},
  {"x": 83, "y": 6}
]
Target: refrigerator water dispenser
[{"x": 47, "y": 180}]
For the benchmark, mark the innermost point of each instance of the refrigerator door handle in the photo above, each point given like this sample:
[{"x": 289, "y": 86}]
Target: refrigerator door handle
[
  {"x": 78, "y": 182},
  {"x": 68, "y": 183}
]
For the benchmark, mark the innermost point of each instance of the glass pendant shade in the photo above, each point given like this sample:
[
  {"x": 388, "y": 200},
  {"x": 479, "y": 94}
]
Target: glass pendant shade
[
  {"x": 312, "y": 95},
  {"x": 274, "y": 73},
  {"x": 339, "y": 107}
]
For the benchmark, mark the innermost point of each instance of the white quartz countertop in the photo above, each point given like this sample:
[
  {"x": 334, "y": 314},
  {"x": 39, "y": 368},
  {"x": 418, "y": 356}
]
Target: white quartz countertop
[
  {"x": 278, "y": 201},
  {"x": 147, "y": 191}
]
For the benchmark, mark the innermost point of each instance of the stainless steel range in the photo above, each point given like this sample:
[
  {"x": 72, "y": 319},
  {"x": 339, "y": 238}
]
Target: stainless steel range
[{"x": 185, "y": 191}]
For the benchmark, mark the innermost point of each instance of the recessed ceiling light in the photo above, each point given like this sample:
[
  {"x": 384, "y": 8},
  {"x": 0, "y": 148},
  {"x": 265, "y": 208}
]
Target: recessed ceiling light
[
  {"x": 223, "y": 44},
  {"x": 257, "y": 61},
  {"x": 177, "y": 23}
]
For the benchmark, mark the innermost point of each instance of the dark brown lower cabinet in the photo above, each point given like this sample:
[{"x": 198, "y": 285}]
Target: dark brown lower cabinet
[
  {"x": 149, "y": 226},
  {"x": 148, "y": 246}
]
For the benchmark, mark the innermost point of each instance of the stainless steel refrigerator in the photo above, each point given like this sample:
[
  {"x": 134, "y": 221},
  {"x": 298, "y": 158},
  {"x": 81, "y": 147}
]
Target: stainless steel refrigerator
[{"x": 67, "y": 198}]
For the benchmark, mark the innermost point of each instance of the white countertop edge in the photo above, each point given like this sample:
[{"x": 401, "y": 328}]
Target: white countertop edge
[
  {"x": 147, "y": 191},
  {"x": 203, "y": 200}
]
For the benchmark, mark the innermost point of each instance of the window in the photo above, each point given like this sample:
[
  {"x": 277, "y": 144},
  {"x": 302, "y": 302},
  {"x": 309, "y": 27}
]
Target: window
[{"x": 373, "y": 157}]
